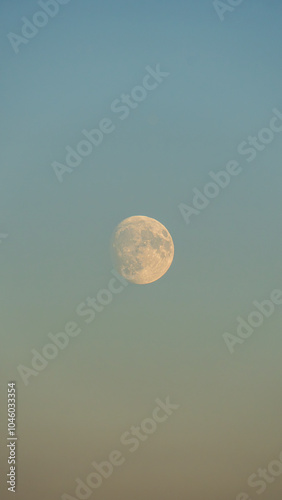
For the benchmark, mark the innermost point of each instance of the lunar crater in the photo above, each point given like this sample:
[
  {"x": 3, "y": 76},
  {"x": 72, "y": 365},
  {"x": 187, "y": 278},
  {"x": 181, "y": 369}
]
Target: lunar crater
[{"x": 142, "y": 249}]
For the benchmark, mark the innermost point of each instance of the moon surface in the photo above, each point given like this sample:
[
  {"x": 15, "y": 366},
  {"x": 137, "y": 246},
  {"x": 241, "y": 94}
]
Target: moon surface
[{"x": 142, "y": 249}]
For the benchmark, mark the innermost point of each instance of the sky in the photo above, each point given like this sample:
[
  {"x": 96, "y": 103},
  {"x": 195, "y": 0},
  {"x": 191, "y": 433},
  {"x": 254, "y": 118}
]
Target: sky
[{"x": 219, "y": 86}]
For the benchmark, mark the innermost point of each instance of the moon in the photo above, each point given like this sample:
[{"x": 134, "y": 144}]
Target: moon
[{"x": 142, "y": 249}]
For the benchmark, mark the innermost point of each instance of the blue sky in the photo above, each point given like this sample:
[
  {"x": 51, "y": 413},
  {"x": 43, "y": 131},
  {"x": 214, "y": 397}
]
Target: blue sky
[{"x": 224, "y": 81}]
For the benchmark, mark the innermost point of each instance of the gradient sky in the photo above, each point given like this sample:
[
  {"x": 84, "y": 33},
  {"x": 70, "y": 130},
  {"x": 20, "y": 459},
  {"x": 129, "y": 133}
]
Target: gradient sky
[{"x": 164, "y": 339}]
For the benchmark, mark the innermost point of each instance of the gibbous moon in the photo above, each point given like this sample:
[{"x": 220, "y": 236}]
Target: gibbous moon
[{"x": 142, "y": 249}]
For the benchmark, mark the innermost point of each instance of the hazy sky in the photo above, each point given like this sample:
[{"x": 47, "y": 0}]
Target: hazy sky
[{"x": 163, "y": 339}]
